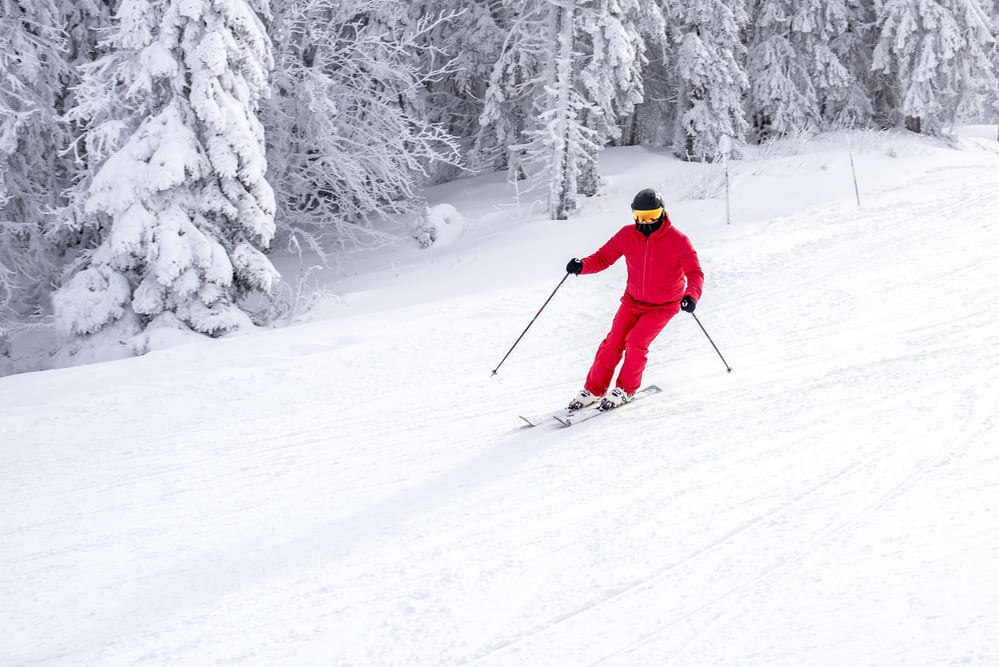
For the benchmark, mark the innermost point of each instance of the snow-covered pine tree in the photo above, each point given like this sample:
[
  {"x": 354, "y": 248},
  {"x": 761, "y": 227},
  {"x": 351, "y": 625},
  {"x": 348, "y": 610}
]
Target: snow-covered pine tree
[
  {"x": 654, "y": 119},
  {"x": 852, "y": 104},
  {"x": 787, "y": 56},
  {"x": 610, "y": 74},
  {"x": 350, "y": 137},
  {"x": 87, "y": 22},
  {"x": 567, "y": 142},
  {"x": 937, "y": 53},
  {"x": 993, "y": 95},
  {"x": 816, "y": 27},
  {"x": 180, "y": 197},
  {"x": 514, "y": 78},
  {"x": 534, "y": 118},
  {"x": 710, "y": 75},
  {"x": 34, "y": 71}
]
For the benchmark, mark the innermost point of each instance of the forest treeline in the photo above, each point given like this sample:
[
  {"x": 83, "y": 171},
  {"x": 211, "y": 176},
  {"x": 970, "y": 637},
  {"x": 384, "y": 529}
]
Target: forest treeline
[{"x": 153, "y": 152}]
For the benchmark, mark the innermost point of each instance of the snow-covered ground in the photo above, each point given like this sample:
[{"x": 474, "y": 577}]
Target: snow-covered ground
[{"x": 358, "y": 489}]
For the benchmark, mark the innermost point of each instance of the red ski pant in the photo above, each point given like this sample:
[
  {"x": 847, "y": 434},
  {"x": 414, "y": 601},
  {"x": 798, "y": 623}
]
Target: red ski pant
[{"x": 635, "y": 326}]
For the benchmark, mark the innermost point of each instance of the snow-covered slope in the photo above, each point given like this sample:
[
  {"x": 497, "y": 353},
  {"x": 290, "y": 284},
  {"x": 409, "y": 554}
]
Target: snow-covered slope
[{"x": 358, "y": 490}]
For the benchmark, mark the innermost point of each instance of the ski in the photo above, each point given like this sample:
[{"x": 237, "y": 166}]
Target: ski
[
  {"x": 584, "y": 414},
  {"x": 537, "y": 420},
  {"x": 568, "y": 417}
]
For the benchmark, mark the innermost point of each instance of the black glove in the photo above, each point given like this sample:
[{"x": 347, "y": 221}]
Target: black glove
[
  {"x": 687, "y": 304},
  {"x": 574, "y": 266}
]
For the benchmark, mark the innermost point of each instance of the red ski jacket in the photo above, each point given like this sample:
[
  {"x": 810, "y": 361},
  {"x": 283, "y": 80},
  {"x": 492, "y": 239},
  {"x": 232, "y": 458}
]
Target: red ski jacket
[{"x": 662, "y": 268}]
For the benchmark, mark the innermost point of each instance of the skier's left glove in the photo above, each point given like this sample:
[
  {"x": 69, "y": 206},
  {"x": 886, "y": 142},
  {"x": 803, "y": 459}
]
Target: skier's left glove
[
  {"x": 574, "y": 266},
  {"x": 687, "y": 304}
]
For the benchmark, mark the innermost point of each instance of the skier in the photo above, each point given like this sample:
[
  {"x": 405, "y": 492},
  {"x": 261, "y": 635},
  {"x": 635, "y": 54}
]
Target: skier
[{"x": 664, "y": 277}]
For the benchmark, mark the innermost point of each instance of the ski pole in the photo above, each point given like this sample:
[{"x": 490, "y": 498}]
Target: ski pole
[
  {"x": 727, "y": 367},
  {"x": 531, "y": 322}
]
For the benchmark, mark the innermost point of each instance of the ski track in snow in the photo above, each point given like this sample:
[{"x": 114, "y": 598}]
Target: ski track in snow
[
  {"x": 831, "y": 501},
  {"x": 881, "y": 476}
]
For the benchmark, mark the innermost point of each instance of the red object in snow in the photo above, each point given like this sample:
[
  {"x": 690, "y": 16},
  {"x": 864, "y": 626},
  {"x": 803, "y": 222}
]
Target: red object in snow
[{"x": 662, "y": 269}]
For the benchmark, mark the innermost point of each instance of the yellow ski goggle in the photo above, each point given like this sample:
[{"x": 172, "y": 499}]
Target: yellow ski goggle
[{"x": 648, "y": 216}]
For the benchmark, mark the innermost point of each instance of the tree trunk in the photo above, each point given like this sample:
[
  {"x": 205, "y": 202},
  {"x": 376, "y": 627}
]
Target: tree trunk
[{"x": 563, "y": 186}]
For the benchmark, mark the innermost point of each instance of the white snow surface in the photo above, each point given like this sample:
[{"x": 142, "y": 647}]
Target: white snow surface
[{"x": 358, "y": 489}]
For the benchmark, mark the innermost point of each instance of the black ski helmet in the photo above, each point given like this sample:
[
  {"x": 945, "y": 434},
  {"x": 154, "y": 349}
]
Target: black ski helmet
[{"x": 647, "y": 200}]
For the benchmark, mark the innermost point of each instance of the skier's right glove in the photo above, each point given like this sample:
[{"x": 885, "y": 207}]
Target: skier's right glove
[
  {"x": 687, "y": 304},
  {"x": 575, "y": 266}
]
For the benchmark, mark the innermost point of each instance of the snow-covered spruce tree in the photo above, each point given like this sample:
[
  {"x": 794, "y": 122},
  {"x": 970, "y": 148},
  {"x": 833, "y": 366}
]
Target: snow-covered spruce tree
[
  {"x": 86, "y": 22},
  {"x": 993, "y": 96},
  {"x": 558, "y": 92},
  {"x": 610, "y": 76},
  {"x": 826, "y": 32},
  {"x": 514, "y": 80},
  {"x": 654, "y": 119},
  {"x": 552, "y": 140},
  {"x": 34, "y": 71},
  {"x": 350, "y": 140},
  {"x": 792, "y": 66},
  {"x": 179, "y": 199},
  {"x": 854, "y": 103},
  {"x": 710, "y": 75},
  {"x": 937, "y": 53},
  {"x": 564, "y": 140}
]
